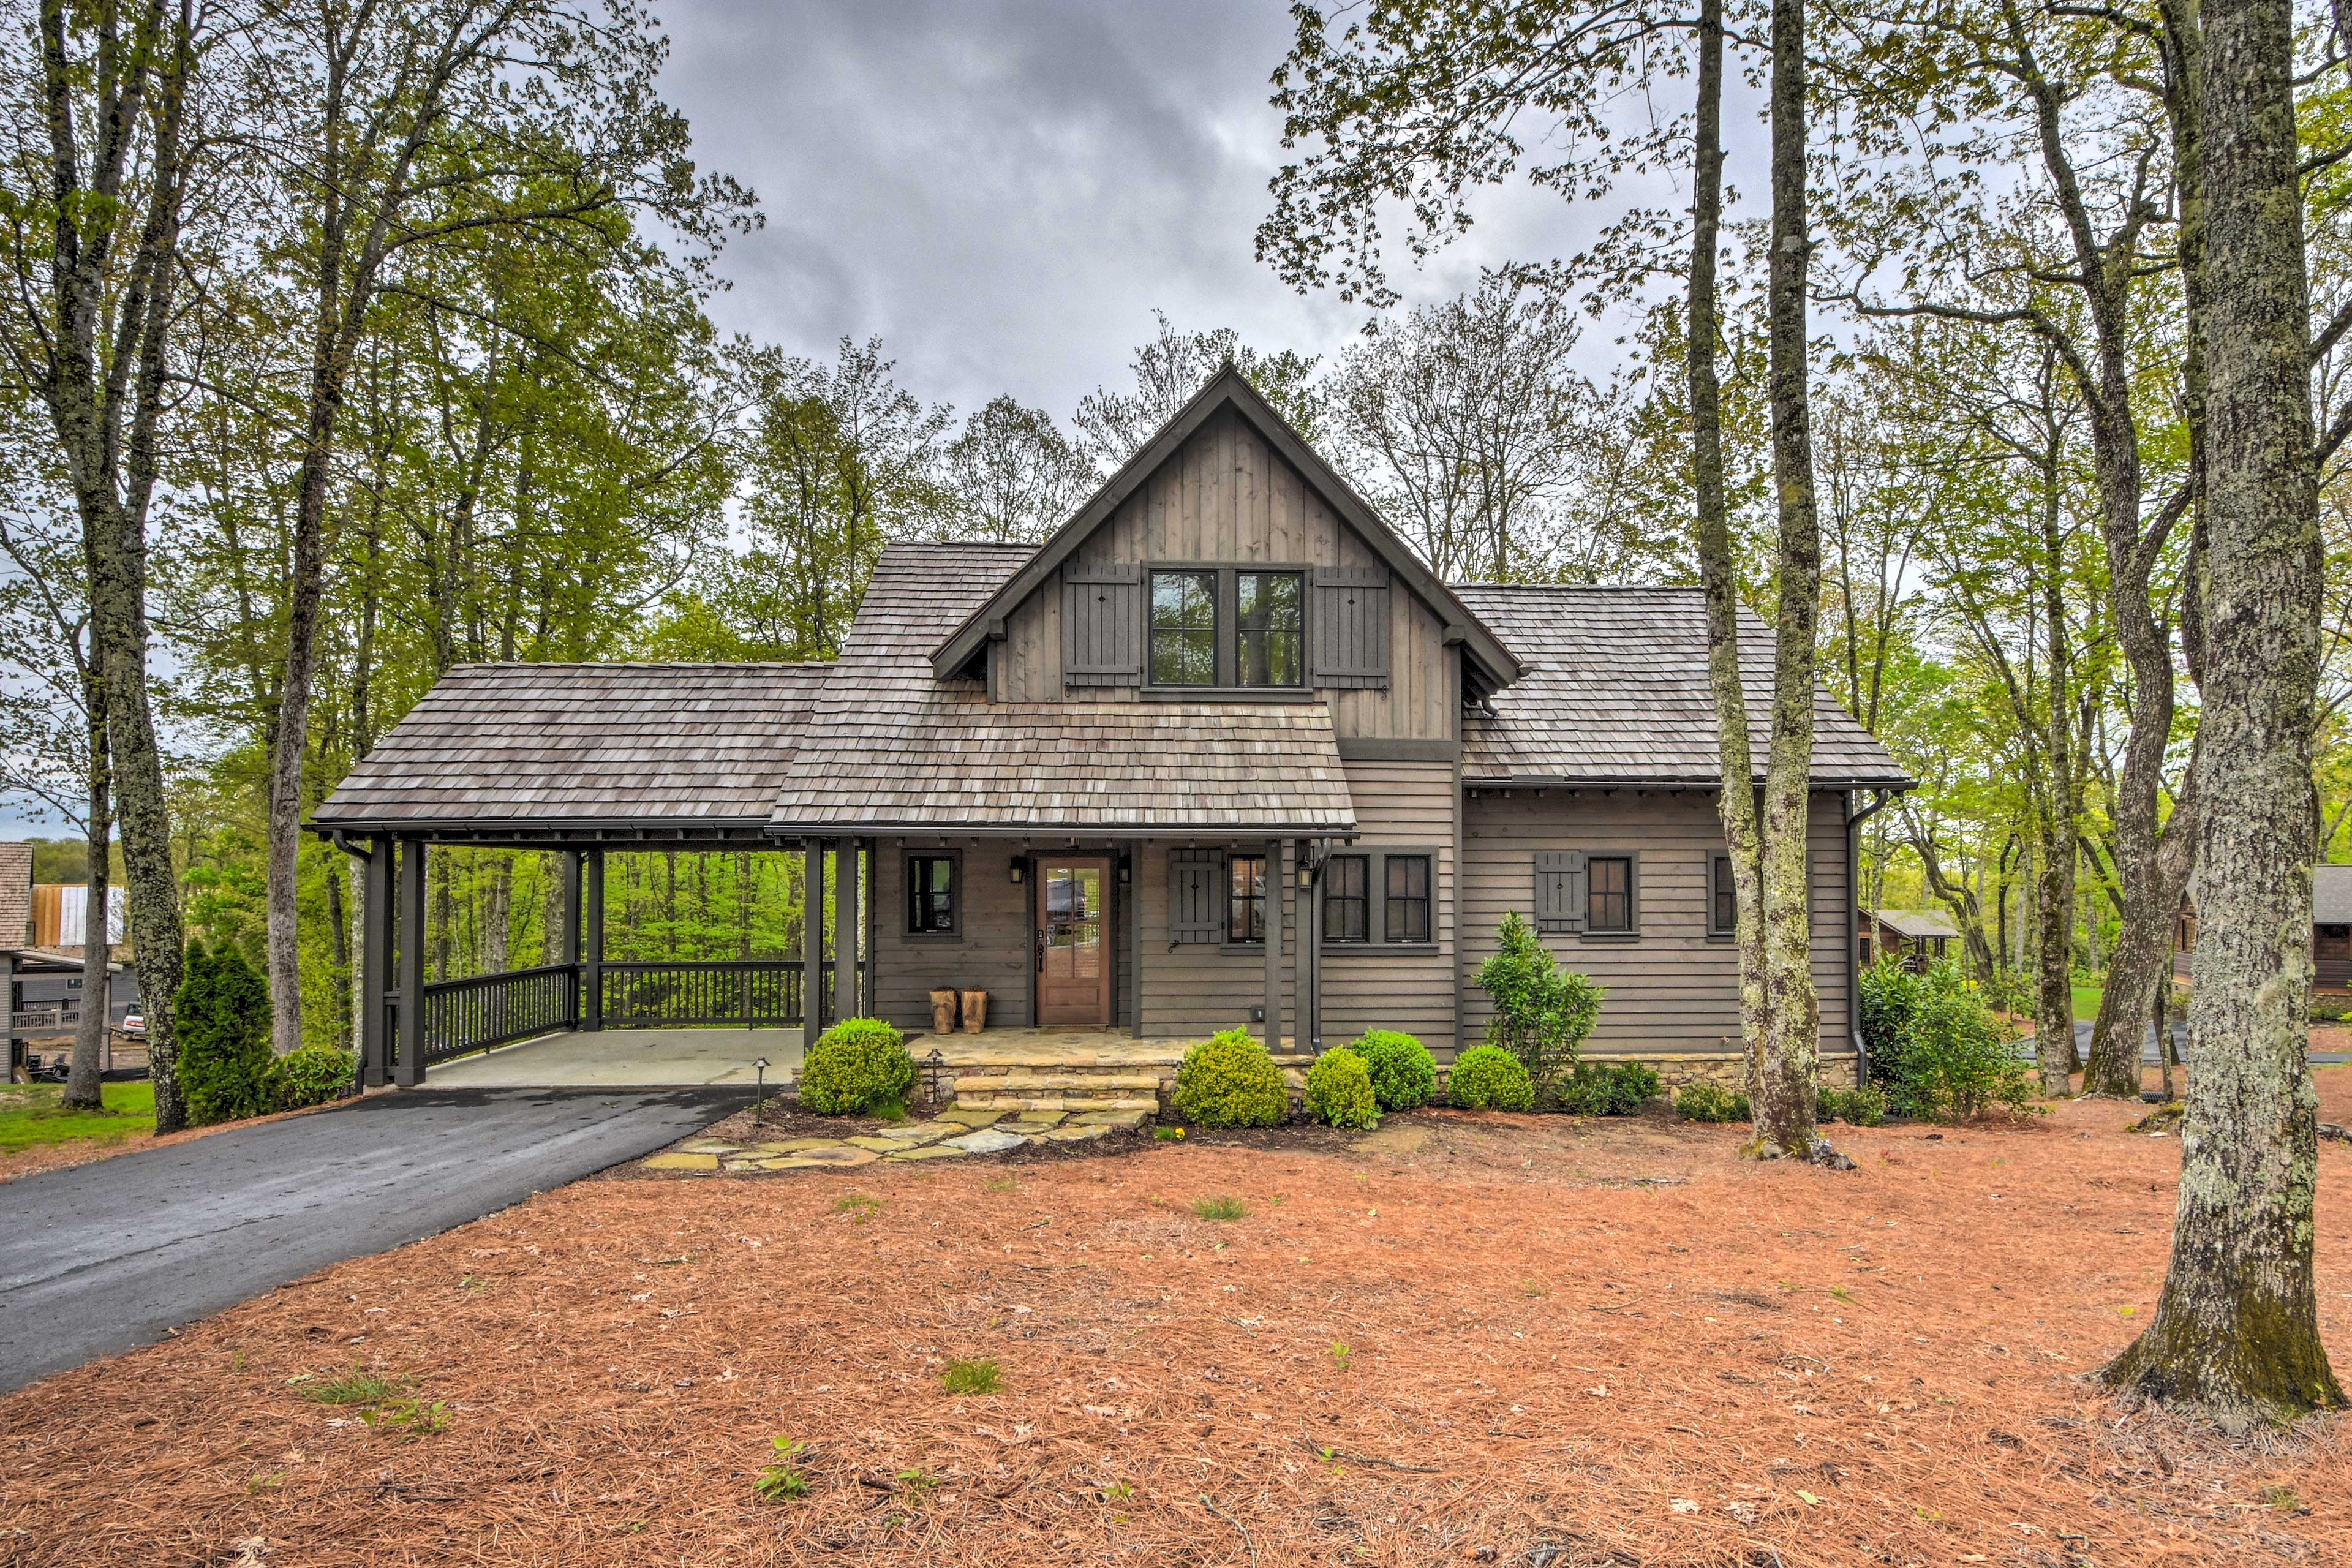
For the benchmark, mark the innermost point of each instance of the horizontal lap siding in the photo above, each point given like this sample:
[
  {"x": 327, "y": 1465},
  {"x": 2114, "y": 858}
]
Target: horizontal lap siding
[
  {"x": 1404, "y": 807},
  {"x": 1197, "y": 988},
  {"x": 992, "y": 955},
  {"x": 1672, "y": 990}
]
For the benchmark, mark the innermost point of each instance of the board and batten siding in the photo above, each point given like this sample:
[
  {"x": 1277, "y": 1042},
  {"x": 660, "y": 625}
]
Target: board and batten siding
[
  {"x": 1408, "y": 807},
  {"x": 1190, "y": 990},
  {"x": 989, "y": 951},
  {"x": 1671, "y": 989},
  {"x": 1225, "y": 498}
]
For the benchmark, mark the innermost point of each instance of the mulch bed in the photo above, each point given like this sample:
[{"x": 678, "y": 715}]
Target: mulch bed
[{"x": 1460, "y": 1338}]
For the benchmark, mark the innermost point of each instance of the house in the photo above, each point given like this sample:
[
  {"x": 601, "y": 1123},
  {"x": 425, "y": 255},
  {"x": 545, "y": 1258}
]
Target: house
[
  {"x": 16, "y": 935},
  {"x": 1221, "y": 752},
  {"x": 2331, "y": 930},
  {"x": 60, "y": 910},
  {"x": 1918, "y": 937}
]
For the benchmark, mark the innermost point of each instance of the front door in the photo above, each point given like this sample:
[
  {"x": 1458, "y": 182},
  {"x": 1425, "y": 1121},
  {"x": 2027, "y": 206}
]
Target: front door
[{"x": 1073, "y": 942}]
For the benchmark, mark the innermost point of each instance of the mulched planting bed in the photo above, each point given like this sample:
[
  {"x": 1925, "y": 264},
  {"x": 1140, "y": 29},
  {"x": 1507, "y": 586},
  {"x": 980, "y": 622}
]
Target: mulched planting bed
[{"x": 1459, "y": 1338}]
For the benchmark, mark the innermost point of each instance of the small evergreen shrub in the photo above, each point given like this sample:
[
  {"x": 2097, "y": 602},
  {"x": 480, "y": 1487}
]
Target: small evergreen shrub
[
  {"x": 1702, "y": 1099},
  {"x": 1542, "y": 1012},
  {"x": 1339, "y": 1090},
  {"x": 1939, "y": 1051},
  {"x": 1488, "y": 1077},
  {"x": 1231, "y": 1080},
  {"x": 313, "y": 1076},
  {"x": 1613, "y": 1089},
  {"x": 1404, "y": 1075},
  {"x": 1863, "y": 1107},
  {"x": 858, "y": 1064},
  {"x": 225, "y": 1070}
]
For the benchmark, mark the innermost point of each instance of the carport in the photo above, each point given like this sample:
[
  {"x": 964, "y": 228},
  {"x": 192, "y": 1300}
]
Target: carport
[{"x": 583, "y": 759}]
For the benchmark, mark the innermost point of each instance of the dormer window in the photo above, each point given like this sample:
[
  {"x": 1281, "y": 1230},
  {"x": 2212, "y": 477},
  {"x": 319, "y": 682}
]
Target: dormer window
[
  {"x": 1272, "y": 619},
  {"x": 1183, "y": 628}
]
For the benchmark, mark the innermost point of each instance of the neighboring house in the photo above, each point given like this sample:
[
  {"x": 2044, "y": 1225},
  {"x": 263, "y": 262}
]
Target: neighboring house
[
  {"x": 2331, "y": 928},
  {"x": 49, "y": 980},
  {"x": 1918, "y": 937},
  {"x": 61, "y": 909},
  {"x": 16, "y": 935},
  {"x": 1221, "y": 750}
]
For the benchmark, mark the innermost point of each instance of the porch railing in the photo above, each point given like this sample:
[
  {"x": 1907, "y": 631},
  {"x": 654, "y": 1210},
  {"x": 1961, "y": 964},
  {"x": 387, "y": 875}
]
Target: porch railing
[{"x": 466, "y": 1015}]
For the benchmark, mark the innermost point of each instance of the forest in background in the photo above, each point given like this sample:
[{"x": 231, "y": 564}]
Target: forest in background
[{"x": 542, "y": 449}]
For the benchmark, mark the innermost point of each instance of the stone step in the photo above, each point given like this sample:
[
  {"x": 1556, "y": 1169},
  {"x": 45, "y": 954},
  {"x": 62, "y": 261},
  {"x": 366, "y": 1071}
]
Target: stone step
[
  {"x": 1022, "y": 1080},
  {"x": 1059, "y": 1101}
]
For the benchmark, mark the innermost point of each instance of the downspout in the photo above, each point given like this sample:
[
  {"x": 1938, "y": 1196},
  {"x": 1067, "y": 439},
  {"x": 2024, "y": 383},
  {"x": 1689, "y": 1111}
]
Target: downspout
[{"x": 1854, "y": 819}]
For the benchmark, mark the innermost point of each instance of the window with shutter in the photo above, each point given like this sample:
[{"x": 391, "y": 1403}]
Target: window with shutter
[
  {"x": 1196, "y": 895},
  {"x": 1350, "y": 625},
  {"x": 1102, "y": 625},
  {"x": 1560, "y": 890}
]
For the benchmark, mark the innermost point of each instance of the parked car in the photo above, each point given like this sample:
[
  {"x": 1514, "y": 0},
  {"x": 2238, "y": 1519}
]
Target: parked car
[{"x": 133, "y": 1023}]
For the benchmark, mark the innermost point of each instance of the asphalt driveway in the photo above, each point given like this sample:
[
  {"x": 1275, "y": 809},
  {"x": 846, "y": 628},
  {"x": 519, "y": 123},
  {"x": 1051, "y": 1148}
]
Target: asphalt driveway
[{"x": 104, "y": 1256}]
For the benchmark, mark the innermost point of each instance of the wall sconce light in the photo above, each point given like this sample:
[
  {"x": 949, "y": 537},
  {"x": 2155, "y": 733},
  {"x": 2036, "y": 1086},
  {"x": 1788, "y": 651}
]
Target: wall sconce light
[
  {"x": 1126, "y": 870},
  {"x": 1020, "y": 870},
  {"x": 1306, "y": 875}
]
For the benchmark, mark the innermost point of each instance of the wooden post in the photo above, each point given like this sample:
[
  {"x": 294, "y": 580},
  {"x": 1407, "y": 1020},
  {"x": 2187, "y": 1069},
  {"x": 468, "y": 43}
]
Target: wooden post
[
  {"x": 591, "y": 932},
  {"x": 409, "y": 1072},
  {"x": 567, "y": 943},
  {"x": 376, "y": 961},
  {"x": 844, "y": 929},
  {"x": 8, "y": 1022},
  {"x": 812, "y": 939},
  {"x": 1278, "y": 875},
  {"x": 1310, "y": 964}
]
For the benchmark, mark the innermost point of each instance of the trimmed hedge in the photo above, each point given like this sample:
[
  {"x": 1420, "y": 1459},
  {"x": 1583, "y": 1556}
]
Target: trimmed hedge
[
  {"x": 1231, "y": 1080},
  {"x": 1339, "y": 1090},
  {"x": 1488, "y": 1077},
  {"x": 1404, "y": 1075},
  {"x": 313, "y": 1076},
  {"x": 856, "y": 1066},
  {"x": 222, "y": 1012}
]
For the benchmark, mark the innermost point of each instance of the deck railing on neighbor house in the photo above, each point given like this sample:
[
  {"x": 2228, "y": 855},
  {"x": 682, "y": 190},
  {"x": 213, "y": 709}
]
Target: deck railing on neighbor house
[{"x": 465, "y": 1015}]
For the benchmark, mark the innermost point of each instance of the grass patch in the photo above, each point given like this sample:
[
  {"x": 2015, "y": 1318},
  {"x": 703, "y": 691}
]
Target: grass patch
[
  {"x": 31, "y": 1116},
  {"x": 977, "y": 1376},
  {"x": 858, "y": 1206},
  {"x": 2086, "y": 1002},
  {"x": 357, "y": 1387},
  {"x": 1220, "y": 1207}
]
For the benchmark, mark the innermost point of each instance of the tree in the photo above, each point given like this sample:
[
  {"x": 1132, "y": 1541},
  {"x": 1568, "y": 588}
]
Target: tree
[
  {"x": 1174, "y": 366},
  {"x": 2235, "y": 1336},
  {"x": 104, "y": 152},
  {"x": 1012, "y": 477}
]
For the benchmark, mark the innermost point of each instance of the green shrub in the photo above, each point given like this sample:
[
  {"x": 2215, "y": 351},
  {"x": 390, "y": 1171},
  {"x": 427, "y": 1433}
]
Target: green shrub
[
  {"x": 1231, "y": 1080},
  {"x": 1863, "y": 1107},
  {"x": 222, "y": 1008},
  {"x": 1542, "y": 1012},
  {"x": 858, "y": 1064},
  {"x": 313, "y": 1076},
  {"x": 1488, "y": 1077},
  {"x": 1339, "y": 1090},
  {"x": 1939, "y": 1051},
  {"x": 1613, "y": 1089},
  {"x": 1404, "y": 1075},
  {"x": 1702, "y": 1099}
]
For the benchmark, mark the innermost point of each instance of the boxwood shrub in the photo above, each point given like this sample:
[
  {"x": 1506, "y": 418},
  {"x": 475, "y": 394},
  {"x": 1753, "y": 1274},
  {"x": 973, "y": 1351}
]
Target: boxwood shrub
[
  {"x": 1702, "y": 1099},
  {"x": 1404, "y": 1075},
  {"x": 1339, "y": 1090},
  {"x": 1488, "y": 1077},
  {"x": 313, "y": 1076},
  {"x": 1230, "y": 1080},
  {"x": 1613, "y": 1089},
  {"x": 856, "y": 1066}
]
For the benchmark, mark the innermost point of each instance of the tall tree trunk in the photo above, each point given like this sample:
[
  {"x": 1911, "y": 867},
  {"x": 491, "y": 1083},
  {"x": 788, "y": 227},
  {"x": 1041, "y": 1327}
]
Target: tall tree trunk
[
  {"x": 357, "y": 869},
  {"x": 2235, "y": 1337},
  {"x": 1783, "y": 1098},
  {"x": 498, "y": 919},
  {"x": 84, "y": 1085},
  {"x": 1718, "y": 569}
]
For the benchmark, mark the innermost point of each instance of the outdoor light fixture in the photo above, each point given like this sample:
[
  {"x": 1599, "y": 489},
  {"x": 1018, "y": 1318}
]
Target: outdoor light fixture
[
  {"x": 1306, "y": 875},
  {"x": 1020, "y": 870},
  {"x": 761, "y": 1065},
  {"x": 1126, "y": 870}
]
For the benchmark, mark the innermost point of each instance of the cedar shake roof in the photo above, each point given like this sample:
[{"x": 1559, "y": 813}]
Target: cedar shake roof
[
  {"x": 1917, "y": 925},
  {"x": 2331, "y": 895},
  {"x": 1615, "y": 691},
  {"x": 556, "y": 744},
  {"x": 890, "y": 744},
  {"x": 15, "y": 896}
]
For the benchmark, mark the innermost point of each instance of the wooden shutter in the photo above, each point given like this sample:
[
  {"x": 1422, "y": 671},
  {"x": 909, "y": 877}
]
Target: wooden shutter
[
  {"x": 1560, "y": 890},
  {"x": 1102, "y": 625},
  {"x": 1349, "y": 624},
  {"x": 1196, "y": 901}
]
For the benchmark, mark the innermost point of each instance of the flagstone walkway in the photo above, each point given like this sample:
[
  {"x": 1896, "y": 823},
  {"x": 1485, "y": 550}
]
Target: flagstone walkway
[{"x": 955, "y": 1134}]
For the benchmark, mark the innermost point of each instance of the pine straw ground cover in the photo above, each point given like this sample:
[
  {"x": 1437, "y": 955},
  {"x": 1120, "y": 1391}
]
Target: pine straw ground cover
[{"x": 1462, "y": 1338}]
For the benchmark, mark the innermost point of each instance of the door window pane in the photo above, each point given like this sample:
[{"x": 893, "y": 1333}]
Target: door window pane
[
  {"x": 1407, "y": 901},
  {"x": 1611, "y": 897},
  {"x": 930, "y": 893},
  {"x": 1183, "y": 628},
  {"x": 1270, "y": 611},
  {"x": 1345, "y": 904},
  {"x": 1073, "y": 922},
  {"x": 1245, "y": 902}
]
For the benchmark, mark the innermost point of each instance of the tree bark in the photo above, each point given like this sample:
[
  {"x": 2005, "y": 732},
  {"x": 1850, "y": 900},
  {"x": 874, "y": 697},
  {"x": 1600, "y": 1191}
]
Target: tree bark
[
  {"x": 2235, "y": 1336},
  {"x": 1718, "y": 571},
  {"x": 1783, "y": 1099},
  {"x": 85, "y": 1088}
]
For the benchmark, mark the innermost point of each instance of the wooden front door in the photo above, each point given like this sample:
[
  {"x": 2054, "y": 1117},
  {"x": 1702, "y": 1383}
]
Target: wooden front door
[{"x": 1074, "y": 941}]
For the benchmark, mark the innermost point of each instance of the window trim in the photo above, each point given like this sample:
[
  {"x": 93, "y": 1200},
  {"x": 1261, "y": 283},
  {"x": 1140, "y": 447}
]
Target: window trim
[
  {"x": 1270, "y": 892},
  {"x": 1227, "y": 632},
  {"x": 1390, "y": 899},
  {"x": 1366, "y": 898},
  {"x": 1376, "y": 900},
  {"x": 1632, "y": 928},
  {"x": 1218, "y": 628},
  {"x": 1298, "y": 575},
  {"x": 1718, "y": 863},
  {"x": 956, "y": 888}
]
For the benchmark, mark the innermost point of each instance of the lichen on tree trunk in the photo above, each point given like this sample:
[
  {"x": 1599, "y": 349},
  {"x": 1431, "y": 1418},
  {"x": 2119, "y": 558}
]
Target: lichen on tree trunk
[{"x": 2235, "y": 1336}]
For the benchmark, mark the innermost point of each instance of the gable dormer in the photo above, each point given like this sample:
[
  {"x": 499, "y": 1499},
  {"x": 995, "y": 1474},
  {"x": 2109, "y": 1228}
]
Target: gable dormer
[{"x": 1226, "y": 561}]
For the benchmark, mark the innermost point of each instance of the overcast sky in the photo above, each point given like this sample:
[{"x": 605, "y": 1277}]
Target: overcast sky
[{"x": 1005, "y": 189}]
